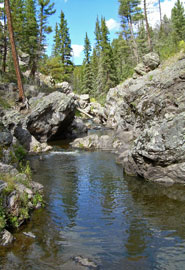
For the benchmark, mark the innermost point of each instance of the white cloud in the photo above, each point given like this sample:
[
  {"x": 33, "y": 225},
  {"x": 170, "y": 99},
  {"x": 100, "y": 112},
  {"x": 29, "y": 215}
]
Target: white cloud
[
  {"x": 112, "y": 24},
  {"x": 77, "y": 50},
  {"x": 153, "y": 10}
]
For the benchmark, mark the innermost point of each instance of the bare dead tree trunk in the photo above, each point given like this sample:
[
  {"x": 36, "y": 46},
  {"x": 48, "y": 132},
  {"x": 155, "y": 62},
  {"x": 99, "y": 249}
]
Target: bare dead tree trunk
[
  {"x": 14, "y": 52},
  {"x": 135, "y": 47},
  {"x": 160, "y": 13},
  {"x": 147, "y": 27}
]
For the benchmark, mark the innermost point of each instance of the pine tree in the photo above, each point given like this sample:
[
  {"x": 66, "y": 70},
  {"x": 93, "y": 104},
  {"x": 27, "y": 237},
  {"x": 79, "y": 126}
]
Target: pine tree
[
  {"x": 17, "y": 11},
  {"x": 65, "y": 49},
  {"x": 94, "y": 68},
  {"x": 141, "y": 40},
  {"x": 62, "y": 47},
  {"x": 97, "y": 33},
  {"x": 178, "y": 21},
  {"x": 87, "y": 71},
  {"x": 122, "y": 58},
  {"x": 31, "y": 34},
  {"x": 130, "y": 13},
  {"x": 106, "y": 77},
  {"x": 46, "y": 9},
  {"x": 56, "y": 47}
]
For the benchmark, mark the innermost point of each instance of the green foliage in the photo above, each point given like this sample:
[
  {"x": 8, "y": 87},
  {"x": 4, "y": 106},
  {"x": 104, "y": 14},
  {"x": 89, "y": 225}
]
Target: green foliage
[
  {"x": 25, "y": 168},
  {"x": 46, "y": 9},
  {"x": 3, "y": 220},
  {"x": 178, "y": 21},
  {"x": 13, "y": 221},
  {"x": 4, "y": 103},
  {"x": 53, "y": 66},
  {"x": 38, "y": 198},
  {"x": 20, "y": 152},
  {"x": 182, "y": 45},
  {"x": 62, "y": 42}
]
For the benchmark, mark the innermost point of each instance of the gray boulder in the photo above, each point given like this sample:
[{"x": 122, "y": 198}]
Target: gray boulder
[
  {"x": 151, "y": 60},
  {"x": 5, "y": 138},
  {"x": 64, "y": 87},
  {"x": 51, "y": 116}
]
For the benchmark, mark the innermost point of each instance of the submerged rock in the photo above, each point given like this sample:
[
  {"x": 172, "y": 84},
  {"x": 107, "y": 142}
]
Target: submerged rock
[{"x": 85, "y": 262}]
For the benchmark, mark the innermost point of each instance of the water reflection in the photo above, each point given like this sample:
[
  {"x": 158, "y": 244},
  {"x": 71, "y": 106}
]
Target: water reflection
[{"x": 94, "y": 211}]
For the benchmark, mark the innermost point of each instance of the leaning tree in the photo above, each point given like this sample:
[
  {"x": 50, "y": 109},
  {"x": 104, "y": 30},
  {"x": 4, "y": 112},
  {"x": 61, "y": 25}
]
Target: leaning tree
[{"x": 14, "y": 51}]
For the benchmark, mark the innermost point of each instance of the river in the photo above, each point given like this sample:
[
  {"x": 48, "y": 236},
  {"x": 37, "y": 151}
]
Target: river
[{"x": 94, "y": 211}]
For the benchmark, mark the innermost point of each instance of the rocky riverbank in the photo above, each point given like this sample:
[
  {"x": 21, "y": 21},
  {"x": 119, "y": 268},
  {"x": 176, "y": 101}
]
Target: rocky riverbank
[
  {"x": 50, "y": 116},
  {"x": 147, "y": 113},
  {"x": 19, "y": 195}
]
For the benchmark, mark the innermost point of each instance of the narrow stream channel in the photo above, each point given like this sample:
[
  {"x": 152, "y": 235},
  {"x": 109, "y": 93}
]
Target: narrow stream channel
[{"x": 94, "y": 211}]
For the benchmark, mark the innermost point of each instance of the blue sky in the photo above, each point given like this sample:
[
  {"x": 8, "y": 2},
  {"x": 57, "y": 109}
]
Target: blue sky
[{"x": 81, "y": 18}]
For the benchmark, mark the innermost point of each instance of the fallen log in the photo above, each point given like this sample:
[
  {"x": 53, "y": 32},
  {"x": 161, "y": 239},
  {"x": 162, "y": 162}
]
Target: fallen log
[{"x": 84, "y": 112}]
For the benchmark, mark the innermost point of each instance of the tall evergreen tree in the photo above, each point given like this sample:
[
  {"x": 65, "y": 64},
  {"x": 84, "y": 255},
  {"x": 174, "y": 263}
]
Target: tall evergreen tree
[
  {"x": 87, "y": 70},
  {"x": 56, "y": 47},
  {"x": 106, "y": 69},
  {"x": 31, "y": 34},
  {"x": 97, "y": 33},
  {"x": 94, "y": 68},
  {"x": 65, "y": 49},
  {"x": 46, "y": 9},
  {"x": 62, "y": 47},
  {"x": 122, "y": 58},
  {"x": 18, "y": 15},
  {"x": 130, "y": 12},
  {"x": 178, "y": 21}
]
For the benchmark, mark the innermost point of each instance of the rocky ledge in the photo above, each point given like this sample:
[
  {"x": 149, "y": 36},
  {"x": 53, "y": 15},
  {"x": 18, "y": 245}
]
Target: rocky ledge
[
  {"x": 147, "y": 114},
  {"x": 19, "y": 195}
]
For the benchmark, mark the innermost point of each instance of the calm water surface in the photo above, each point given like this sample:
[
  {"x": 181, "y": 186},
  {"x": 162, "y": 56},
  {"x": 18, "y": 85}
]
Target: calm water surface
[{"x": 95, "y": 211}]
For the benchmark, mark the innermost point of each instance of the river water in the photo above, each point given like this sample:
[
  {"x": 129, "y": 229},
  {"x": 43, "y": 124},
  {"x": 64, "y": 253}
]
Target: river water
[{"x": 94, "y": 211}]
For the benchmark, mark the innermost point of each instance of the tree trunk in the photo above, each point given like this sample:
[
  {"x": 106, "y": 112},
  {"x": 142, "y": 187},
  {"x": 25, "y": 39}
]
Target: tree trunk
[
  {"x": 14, "y": 52},
  {"x": 4, "y": 46},
  {"x": 147, "y": 27},
  {"x": 41, "y": 28},
  {"x": 135, "y": 48},
  {"x": 160, "y": 13}
]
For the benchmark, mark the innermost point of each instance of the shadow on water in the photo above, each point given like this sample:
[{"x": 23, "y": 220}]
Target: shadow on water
[{"x": 95, "y": 211}]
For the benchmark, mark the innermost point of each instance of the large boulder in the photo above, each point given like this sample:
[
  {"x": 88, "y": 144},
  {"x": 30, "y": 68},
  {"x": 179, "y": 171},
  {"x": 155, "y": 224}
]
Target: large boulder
[
  {"x": 64, "y": 87},
  {"x": 5, "y": 138},
  {"x": 151, "y": 60},
  {"x": 51, "y": 117},
  {"x": 152, "y": 109}
]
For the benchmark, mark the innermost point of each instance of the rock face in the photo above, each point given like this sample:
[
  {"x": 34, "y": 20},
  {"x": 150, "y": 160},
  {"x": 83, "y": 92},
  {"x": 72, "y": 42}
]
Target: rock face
[
  {"x": 51, "y": 117},
  {"x": 152, "y": 109}
]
